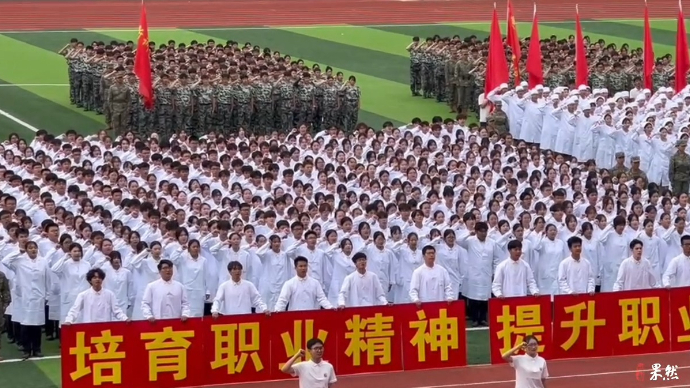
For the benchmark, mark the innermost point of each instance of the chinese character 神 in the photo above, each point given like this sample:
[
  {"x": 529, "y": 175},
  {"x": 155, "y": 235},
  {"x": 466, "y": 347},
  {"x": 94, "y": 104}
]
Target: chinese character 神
[
  {"x": 656, "y": 372},
  {"x": 671, "y": 372},
  {"x": 526, "y": 321},
  {"x": 227, "y": 346},
  {"x": 632, "y": 320},
  {"x": 685, "y": 317},
  {"x": 370, "y": 335},
  {"x": 168, "y": 352},
  {"x": 578, "y": 323},
  {"x": 106, "y": 358},
  {"x": 442, "y": 335},
  {"x": 302, "y": 331}
]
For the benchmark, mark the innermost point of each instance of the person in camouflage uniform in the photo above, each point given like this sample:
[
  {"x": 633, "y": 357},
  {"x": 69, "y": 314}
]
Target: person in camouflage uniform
[
  {"x": 134, "y": 103},
  {"x": 440, "y": 75},
  {"x": 224, "y": 92},
  {"x": 351, "y": 103},
  {"x": 555, "y": 77},
  {"x": 619, "y": 168},
  {"x": 679, "y": 169},
  {"x": 285, "y": 102},
  {"x": 598, "y": 78},
  {"x": 305, "y": 101},
  {"x": 243, "y": 102},
  {"x": 479, "y": 78},
  {"x": 165, "y": 97},
  {"x": 87, "y": 79},
  {"x": 318, "y": 80},
  {"x": 618, "y": 81},
  {"x": 415, "y": 66},
  {"x": 263, "y": 100},
  {"x": 427, "y": 71},
  {"x": 119, "y": 96},
  {"x": 104, "y": 84},
  {"x": 498, "y": 120},
  {"x": 635, "y": 171},
  {"x": 66, "y": 52},
  {"x": 659, "y": 77},
  {"x": 465, "y": 82},
  {"x": 99, "y": 67},
  {"x": 451, "y": 81},
  {"x": 183, "y": 100},
  {"x": 205, "y": 102},
  {"x": 331, "y": 106}
]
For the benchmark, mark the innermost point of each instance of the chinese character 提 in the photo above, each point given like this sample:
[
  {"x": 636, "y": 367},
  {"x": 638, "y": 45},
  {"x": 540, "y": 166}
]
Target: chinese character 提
[
  {"x": 637, "y": 320},
  {"x": 105, "y": 358},
  {"x": 302, "y": 331},
  {"x": 656, "y": 372},
  {"x": 168, "y": 352},
  {"x": 232, "y": 339},
  {"x": 590, "y": 322},
  {"x": 671, "y": 372},
  {"x": 440, "y": 333},
  {"x": 371, "y": 336},
  {"x": 526, "y": 321}
]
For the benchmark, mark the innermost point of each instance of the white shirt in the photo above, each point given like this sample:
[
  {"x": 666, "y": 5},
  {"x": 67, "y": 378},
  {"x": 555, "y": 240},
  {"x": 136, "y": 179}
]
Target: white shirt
[
  {"x": 313, "y": 375},
  {"x": 635, "y": 275},
  {"x": 576, "y": 276},
  {"x": 360, "y": 290},
  {"x": 165, "y": 300},
  {"x": 95, "y": 306},
  {"x": 430, "y": 284},
  {"x": 300, "y": 294},
  {"x": 237, "y": 298},
  {"x": 529, "y": 371},
  {"x": 514, "y": 278},
  {"x": 678, "y": 272}
]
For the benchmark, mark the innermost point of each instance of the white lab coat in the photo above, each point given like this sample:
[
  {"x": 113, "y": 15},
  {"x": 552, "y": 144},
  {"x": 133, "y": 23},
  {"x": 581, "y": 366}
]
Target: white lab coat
[
  {"x": 193, "y": 278},
  {"x": 653, "y": 249},
  {"x": 635, "y": 275},
  {"x": 300, "y": 294},
  {"x": 566, "y": 133},
  {"x": 482, "y": 258},
  {"x": 362, "y": 290},
  {"x": 551, "y": 253},
  {"x": 678, "y": 272},
  {"x": 317, "y": 262},
  {"x": 237, "y": 298},
  {"x": 576, "y": 276},
  {"x": 658, "y": 168},
  {"x": 32, "y": 284},
  {"x": 431, "y": 284},
  {"x": 92, "y": 307},
  {"x": 165, "y": 300},
  {"x": 616, "y": 248},
  {"x": 450, "y": 258},
  {"x": 606, "y": 149},
  {"x": 144, "y": 269},
  {"x": 550, "y": 127},
  {"x": 342, "y": 266},
  {"x": 72, "y": 275},
  {"x": 277, "y": 270},
  {"x": 408, "y": 261},
  {"x": 585, "y": 146},
  {"x": 514, "y": 278},
  {"x": 532, "y": 120}
]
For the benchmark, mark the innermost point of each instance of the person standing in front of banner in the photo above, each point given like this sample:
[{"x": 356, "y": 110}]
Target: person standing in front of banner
[
  {"x": 361, "y": 288},
  {"x": 530, "y": 368},
  {"x": 430, "y": 282},
  {"x": 315, "y": 373},
  {"x": 514, "y": 277},
  {"x": 97, "y": 304},
  {"x": 678, "y": 270},
  {"x": 576, "y": 275},
  {"x": 32, "y": 277},
  {"x": 302, "y": 292},
  {"x": 237, "y": 296},
  {"x": 165, "y": 298},
  {"x": 635, "y": 272}
]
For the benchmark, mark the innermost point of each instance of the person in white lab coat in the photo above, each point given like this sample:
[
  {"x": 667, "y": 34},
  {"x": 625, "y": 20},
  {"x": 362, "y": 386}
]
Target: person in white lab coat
[
  {"x": 32, "y": 279},
  {"x": 635, "y": 272},
  {"x": 97, "y": 304},
  {"x": 120, "y": 280},
  {"x": 302, "y": 292},
  {"x": 71, "y": 269},
  {"x": 237, "y": 296},
  {"x": 165, "y": 298},
  {"x": 192, "y": 267},
  {"x": 678, "y": 271},
  {"x": 514, "y": 277},
  {"x": 430, "y": 282},
  {"x": 576, "y": 275},
  {"x": 361, "y": 288}
]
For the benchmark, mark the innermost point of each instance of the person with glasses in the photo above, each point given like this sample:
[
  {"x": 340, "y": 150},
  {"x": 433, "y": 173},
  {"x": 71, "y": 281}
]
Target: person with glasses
[
  {"x": 314, "y": 373},
  {"x": 677, "y": 273},
  {"x": 530, "y": 368}
]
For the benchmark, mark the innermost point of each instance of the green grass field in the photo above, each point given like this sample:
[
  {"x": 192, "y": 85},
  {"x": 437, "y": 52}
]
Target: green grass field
[{"x": 33, "y": 90}]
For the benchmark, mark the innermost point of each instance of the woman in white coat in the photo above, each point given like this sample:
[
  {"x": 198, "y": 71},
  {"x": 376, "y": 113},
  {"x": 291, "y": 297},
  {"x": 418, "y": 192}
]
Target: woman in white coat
[
  {"x": 191, "y": 264},
  {"x": 277, "y": 270},
  {"x": 567, "y": 115},
  {"x": 340, "y": 255},
  {"x": 32, "y": 277},
  {"x": 144, "y": 269},
  {"x": 52, "y": 257},
  {"x": 533, "y": 118},
  {"x": 551, "y": 252},
  {"x": 663, "y": 148},
  {"x": 71, "y": 270},
  {"x": 606, "y": 149},
  {"x": 409, "y": 258},
  {"x": 616, "y": 248},
  {"x": 550, "y": 124}
]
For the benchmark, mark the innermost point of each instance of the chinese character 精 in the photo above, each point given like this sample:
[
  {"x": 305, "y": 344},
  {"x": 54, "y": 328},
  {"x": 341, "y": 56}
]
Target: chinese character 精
[
  {"x": 105, "y": 358},
  {"x": 227, "y": 346},
  {"x": 440, "y": 333},
  {"x": 371, "y": 336}
]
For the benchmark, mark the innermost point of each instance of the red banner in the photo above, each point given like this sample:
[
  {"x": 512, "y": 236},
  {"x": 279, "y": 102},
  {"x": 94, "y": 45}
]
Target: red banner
[{"x": 251, "y": 348}]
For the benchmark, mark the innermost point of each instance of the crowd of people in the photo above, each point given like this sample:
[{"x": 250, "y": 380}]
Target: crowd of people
[
  {"x": 576, "y": 189},
  {"x": 201, "y": 87}
]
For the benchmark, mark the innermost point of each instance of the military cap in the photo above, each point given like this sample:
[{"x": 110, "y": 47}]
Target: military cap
[
  {"x": 635, "y": 159},
  {"x": 620, "y": 154},
  {"x": 682, "y": 143}
]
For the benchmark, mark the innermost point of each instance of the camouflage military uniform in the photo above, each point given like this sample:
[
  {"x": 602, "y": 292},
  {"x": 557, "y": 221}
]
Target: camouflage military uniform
[
  {"x": 284, "y": 104},
  {"x": 617, "y": 170},
  {"x": 204, "y": 99},
  {"x": 305, "y": 104},
  {"x": 659, "y": 79},
  {"x": 184, "y": 107},
  {"x": 105, "y": 84},
  {"x": 164, "y": 110},
  {"x": 5, "y": 298},
  {"x": 87, "y": 86},
  {"x": 330, "y": 105},
  {"x": 618, "y": 82},
  {"x": 465, "y": 84},
  {"x": 119, "y": 96},
  {"x": 596, "y": 80},
  {"x": 351, "y": 105},
  {"x": 556, "y": 79},
  {"x": 679, "y": 173},
  {"x": 243, "y": 105},
  {"x": 318, "y": 108},
  {"x": 637, "y": 173},
  {"x": 135, "y": 107},
  {"x": 477, "y": 90},
  {"x": 224, "y": 95},
  {"x": 451, "y": 83},
  {"x": 71, "y": 72},
  {"x": 440, "y": 77},
  {"x": 79, "y": 70},
  {"x": 498, "y": 121},
  {"x": 427, "y": 75},
  {"x": 263, "y": 99},
  {"x": 98, "y": 70},
  {"x": 415, "y": 72}
]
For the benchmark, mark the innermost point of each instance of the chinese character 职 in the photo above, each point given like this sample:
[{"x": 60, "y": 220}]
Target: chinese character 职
[
  {"x": 227, "y": 346},
  {"x": 637, "y": 320}
]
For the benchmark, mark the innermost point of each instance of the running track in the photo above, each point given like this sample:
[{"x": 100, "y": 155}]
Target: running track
[{"x": 627, "y": 372}]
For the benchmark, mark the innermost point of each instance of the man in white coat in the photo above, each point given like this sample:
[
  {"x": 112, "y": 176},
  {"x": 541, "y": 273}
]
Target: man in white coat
[
  {"x": 237, "y": 296},
  {"x": 576, "y": 275},
  {"x": 361, "y": 288},
  {"x": 430, "y": 282},
  {"x": 678, "y": 271},
  {"x": 636, "y": 272},
  {"x": 302, "y": 292},
  {"x": 97, "y": 304},
  {"x": 514, "y": 277},
  {"x": 32, "y": 277},
  {"x": 165, "y": 298}
]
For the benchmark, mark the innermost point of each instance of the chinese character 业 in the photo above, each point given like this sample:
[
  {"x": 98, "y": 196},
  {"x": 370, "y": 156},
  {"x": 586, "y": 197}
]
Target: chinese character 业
[
  {"x": 636, "y": 326},
  {"x": 168, "y": 352},
  {"x": 302, "y": 331},
  {"x": 656, "y": 372},
  {"x": 590, "y": 322},
  {"x": 227, "y": 347},
  {"x": 106, "y": 358},
  {"x": 685, "y": 317},
  {"x": 372, "y": 336},
  {"x": 441, "y": 336},
  {"x": 671, "y": 372},
  {"x": 526, "y": 321}
]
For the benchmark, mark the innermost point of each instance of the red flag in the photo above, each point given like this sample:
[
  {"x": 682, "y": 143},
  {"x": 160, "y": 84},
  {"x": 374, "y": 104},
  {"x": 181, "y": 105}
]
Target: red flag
[
  {"x": 648, "y": 50},
  {"x": 581, "y": 70},
  {"x": 514, "y": 41},
  {"x": 534, "y": 68},
  {"x": 142, "y": 61},
  {"x": 682, "y": 60},
  {"x": 496, "y": 64}
]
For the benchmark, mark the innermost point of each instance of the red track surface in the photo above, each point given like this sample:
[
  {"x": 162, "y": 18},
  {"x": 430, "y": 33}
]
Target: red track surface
[{"x": 72, "y": 15}]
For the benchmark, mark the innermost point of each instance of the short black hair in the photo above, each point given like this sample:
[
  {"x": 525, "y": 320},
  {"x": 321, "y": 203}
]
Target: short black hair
[{"x": 313, "y": 342}]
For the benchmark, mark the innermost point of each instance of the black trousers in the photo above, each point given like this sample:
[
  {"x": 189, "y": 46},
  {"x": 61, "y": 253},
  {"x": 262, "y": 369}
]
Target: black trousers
[
  {"x": 51, "y": 327},
  {"x": 8, "y": 327},
  {"x": 478, "y": 310},
  {"x": 31, "y": 338}
]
